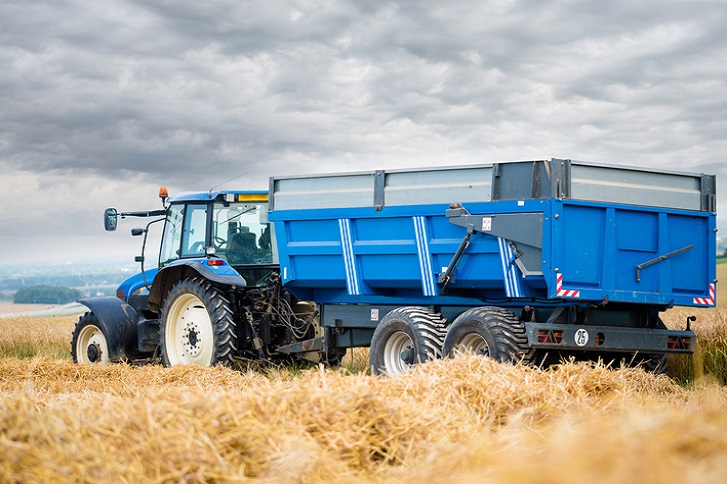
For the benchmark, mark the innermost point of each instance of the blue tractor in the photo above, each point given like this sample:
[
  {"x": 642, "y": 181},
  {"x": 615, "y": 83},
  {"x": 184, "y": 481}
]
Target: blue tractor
[{"x": 214, "y": 298}]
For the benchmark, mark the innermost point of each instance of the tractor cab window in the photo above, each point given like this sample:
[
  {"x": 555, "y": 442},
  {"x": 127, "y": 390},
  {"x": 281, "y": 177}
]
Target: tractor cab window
[
  {"x": 172, "y": 236},
  {"x": 241, "y": 233},
  {"x": 195, "y": 230},
  {"x": 184, "y": 233}
]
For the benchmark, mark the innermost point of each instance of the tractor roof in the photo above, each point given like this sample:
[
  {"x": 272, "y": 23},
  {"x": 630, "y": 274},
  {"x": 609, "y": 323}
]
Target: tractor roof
[{"x": 223, "y": 195}]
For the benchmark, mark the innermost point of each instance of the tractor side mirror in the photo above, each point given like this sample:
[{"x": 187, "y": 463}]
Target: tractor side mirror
[{"x": 110, "y": 219}]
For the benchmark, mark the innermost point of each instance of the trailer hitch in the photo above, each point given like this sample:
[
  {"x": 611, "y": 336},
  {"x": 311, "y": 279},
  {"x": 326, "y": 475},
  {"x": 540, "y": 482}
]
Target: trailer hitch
[{"x": 659, "y": 259}]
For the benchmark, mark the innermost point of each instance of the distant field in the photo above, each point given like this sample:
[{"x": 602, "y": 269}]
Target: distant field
[{"x": 11, "y": 308}]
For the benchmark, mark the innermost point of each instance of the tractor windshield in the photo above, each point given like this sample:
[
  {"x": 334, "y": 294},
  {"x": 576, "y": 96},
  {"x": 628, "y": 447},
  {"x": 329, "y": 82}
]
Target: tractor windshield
[{"x": 241, "y": 233}]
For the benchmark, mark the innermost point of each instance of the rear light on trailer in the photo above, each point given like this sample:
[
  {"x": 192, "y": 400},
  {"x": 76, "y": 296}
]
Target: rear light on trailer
[
  {"x": 550, "y": 337},
  {"x": 678, "y": 342}
]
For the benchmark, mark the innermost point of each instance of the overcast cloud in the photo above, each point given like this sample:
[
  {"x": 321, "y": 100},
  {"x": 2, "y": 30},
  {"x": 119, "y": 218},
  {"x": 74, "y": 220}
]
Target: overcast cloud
[{"x": 102, "y": 102}]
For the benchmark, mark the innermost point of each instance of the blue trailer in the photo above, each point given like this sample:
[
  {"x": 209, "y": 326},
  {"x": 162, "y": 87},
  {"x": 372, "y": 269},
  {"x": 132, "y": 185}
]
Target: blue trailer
[{"x": 524, "y": 261}]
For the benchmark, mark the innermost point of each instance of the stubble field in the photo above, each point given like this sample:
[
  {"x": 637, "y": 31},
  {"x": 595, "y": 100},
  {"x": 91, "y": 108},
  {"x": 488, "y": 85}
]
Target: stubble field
[{"x": 463, "y": 420}]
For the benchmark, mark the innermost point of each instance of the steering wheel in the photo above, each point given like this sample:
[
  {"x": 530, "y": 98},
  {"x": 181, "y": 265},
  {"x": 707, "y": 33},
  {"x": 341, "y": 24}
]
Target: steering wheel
[{"x": 220, "y": 242}]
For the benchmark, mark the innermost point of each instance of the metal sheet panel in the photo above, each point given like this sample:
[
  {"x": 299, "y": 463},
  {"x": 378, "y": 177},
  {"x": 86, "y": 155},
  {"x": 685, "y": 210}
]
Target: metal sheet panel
[
  {"x": 400, "y": 187},
  {"x": 635, "y": 186},
  {"x": 512, "y": 181}
]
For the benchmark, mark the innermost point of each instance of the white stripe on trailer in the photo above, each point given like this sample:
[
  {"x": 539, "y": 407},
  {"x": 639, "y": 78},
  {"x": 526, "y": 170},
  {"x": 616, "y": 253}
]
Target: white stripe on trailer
[
  {"x": 706, "y": 301},
  {"x": 348, "y": 258},
  {"x": 425, "y": 259},
  {"x": 564, "y": 292},
  {"x": 509, "y": 270}
]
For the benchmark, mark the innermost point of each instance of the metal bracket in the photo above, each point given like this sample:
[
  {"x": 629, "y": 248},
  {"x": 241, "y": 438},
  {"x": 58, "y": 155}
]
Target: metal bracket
[
  {"x": 314, "y": 344},
  {"x": 659, "y": 259},
  {"x": 379, "y": 185},
  {"x": 522, "y": 230}
]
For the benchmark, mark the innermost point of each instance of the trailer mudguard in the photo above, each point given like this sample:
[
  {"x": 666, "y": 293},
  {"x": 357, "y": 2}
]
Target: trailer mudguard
[
  {"x": 117, "y": 321},
  {"x": 168, "y": 276}
]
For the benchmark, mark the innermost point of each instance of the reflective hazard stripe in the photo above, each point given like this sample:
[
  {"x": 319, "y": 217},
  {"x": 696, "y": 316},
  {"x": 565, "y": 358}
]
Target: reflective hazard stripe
[
  {"x": 706, "y": 301},
  {"x": 564, "y": 292}
]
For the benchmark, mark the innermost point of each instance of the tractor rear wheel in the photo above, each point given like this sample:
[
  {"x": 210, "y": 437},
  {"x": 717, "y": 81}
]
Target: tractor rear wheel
[
  {"x": 197, "y": 326},
  {"x": 405, "y": 337},
  {"x": 489, "y": 331},
  {"x": 89, "y": 344}
]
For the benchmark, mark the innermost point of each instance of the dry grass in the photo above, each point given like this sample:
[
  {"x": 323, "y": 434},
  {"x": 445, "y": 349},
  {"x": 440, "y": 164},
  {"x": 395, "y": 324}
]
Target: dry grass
[
  {"x": 24, "y": 336},
  {"x": 446, "y": 421},
  {"x": 710, "y": 357},
  {"x": 722, "y": 288},
  {"x": 465, "y": 420}
]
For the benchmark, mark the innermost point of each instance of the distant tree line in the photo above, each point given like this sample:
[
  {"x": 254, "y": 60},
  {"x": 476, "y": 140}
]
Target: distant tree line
[
  {"x": 15, "y": 283},
  {"x": 46, "y": 295}
]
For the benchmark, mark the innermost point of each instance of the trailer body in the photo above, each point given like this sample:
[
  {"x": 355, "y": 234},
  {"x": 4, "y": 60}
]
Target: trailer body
[{"x": 593, "y": 252}]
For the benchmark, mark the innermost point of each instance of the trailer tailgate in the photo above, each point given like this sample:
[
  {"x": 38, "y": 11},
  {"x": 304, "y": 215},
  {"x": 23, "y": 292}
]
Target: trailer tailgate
[{"x": 635, "y": 254}]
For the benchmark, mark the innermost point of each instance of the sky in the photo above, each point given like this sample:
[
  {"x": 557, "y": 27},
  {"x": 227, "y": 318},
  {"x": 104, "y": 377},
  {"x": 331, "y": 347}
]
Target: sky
[{"x": 103, "y": 102}]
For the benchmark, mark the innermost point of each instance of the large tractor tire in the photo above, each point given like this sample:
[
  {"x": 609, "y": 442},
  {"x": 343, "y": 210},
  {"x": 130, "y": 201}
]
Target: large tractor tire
[
  {"x": 197, "y": 326},
  {"x": 405, "y": 337},
  {"x": 489, "y": 331},
  {"x": 89, "y": 344}
]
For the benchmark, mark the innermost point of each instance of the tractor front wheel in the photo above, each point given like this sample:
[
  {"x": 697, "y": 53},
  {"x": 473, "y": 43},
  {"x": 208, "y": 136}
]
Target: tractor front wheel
[{"x": 89, "y": 344}]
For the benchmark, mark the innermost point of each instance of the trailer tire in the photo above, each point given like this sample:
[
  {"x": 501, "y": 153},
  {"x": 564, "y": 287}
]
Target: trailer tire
[
  {"x": 197, "y": 326},
  {"x": 489, "y": 331},
  {"x": 405, "y": 337},
  {"x": 654, "y": 363},
  {"x": 89, "y": 344}
]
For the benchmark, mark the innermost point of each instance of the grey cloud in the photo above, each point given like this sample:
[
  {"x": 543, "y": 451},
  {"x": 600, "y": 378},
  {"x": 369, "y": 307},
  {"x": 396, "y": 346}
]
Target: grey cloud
[{"x": 133, "y": 94}]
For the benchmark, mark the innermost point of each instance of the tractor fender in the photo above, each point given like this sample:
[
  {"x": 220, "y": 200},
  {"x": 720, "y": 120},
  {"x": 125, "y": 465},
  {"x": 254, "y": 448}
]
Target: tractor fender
[
  {"x": 167, "y": 277},
  {"x": 131, "y": 285},
  {"x": 118, "y": 323}
]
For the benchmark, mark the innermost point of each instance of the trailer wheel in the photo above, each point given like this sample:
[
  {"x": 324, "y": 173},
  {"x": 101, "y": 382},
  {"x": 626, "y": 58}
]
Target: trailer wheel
[
  {"x": 654, "y": 363},
  {"x": 89, "y": 344},
  {"x": 197, "y": 326},
  {"x": 404, "y": 337},
  {"x": 489, "y": 331}
]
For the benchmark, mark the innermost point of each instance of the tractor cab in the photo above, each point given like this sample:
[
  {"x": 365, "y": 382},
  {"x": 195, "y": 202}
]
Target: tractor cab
[{"x": 225, "y": 226}]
